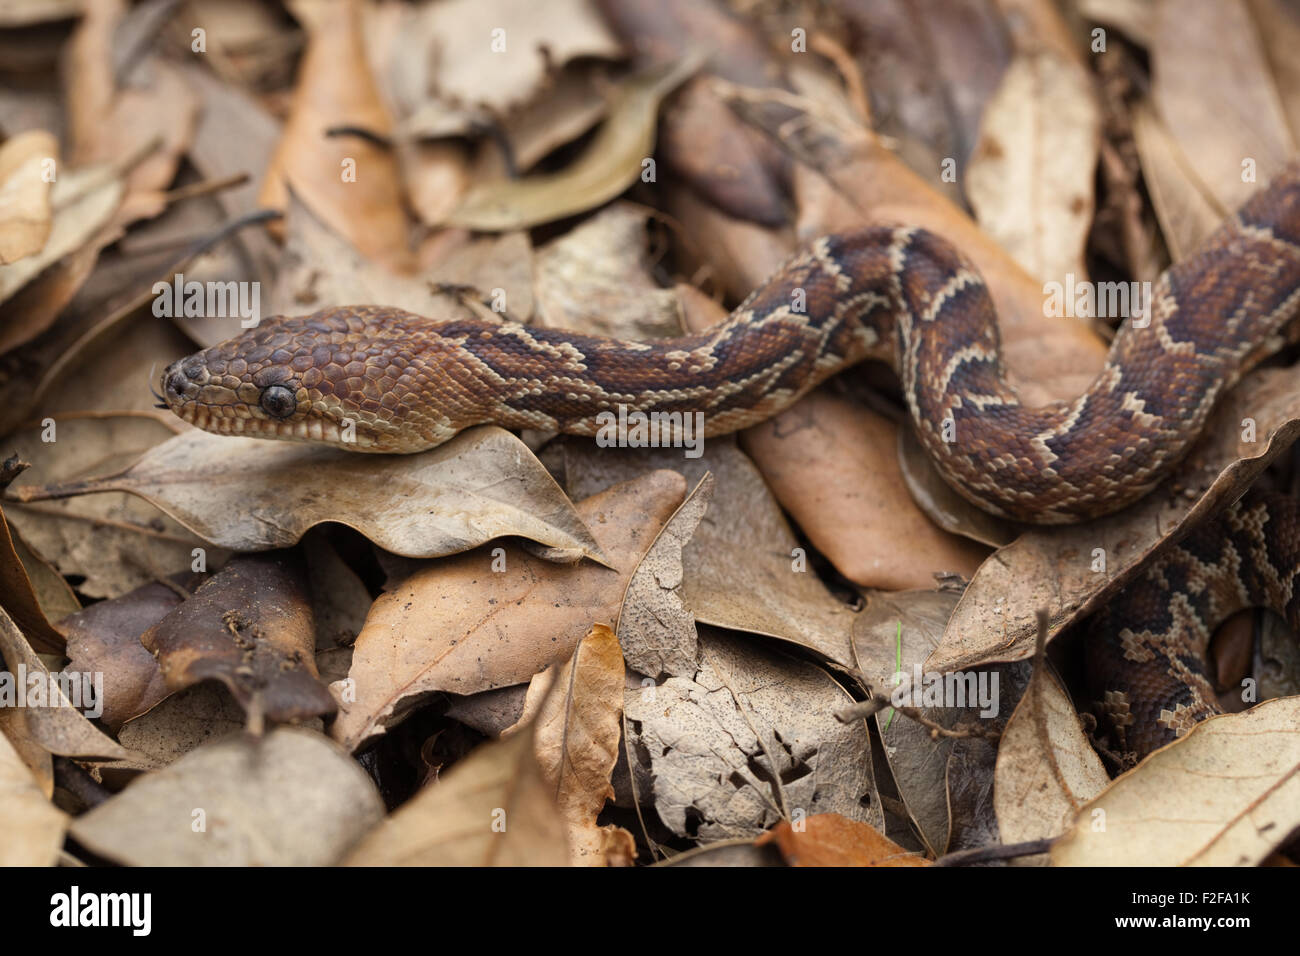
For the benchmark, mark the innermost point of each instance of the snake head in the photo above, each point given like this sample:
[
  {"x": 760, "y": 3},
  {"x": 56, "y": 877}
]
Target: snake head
[{"x": 342, "y": 377}]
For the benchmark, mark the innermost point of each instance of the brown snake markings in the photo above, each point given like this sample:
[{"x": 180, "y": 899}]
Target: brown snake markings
[{"x": 901, "y": 295}]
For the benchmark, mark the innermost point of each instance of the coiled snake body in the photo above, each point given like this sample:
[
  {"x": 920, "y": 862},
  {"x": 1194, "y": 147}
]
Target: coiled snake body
[{"x": 375, "y": 379}]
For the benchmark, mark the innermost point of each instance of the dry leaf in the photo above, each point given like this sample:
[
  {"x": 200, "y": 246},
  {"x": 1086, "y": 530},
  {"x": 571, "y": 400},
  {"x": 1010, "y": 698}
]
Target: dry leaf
[
  {"x": 349, "y": 182},
  {"x": 249, "y": 626},
  {"x": 520, "y": 41},
  {"x": 18, "y": 597},
  {"x": 655, "y": 627},
  {"x": 1187, "y": 213},
  {"x": 1226, "y": 794},
  {"x": 291, "y": 798},
  {"x": 828, "y": 839},
  {"x": 612, "y": 162},
  {"x": 32, "y": 826},
  {"x": 105, "y": 637},
  {"x": 494, "y": 808},
  {"x": 25, "y": 208},
  {"x": 1212, "y": 87},
  {"x": 54, "y": 724},
  {"x": 744, "y": 568},
  {"x": 249, "y": 494},
  {"x": 748, "y": 740},
  {"x": 834, "y": 466},
  {"x": 576, "y": 737},
  {"x": 116, "y": 541},
  {"x": 83, "y": 200},
  {"x": 1046, "y": 766},
  {"x": 495, "y": 618},
  {"x": 1030, "y": 179}
]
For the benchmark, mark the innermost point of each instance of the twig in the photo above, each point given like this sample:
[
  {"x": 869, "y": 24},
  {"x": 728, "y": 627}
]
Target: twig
[
  {"x": 1006, "y": 851},
  {"x": 869, "y": 708}
]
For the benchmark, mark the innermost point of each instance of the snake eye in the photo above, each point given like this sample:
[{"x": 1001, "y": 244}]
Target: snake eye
[{"x": 278, "y": 402}]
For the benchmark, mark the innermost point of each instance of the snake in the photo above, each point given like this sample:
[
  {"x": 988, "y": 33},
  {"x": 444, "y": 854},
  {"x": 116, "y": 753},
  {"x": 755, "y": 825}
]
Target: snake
[{"x": 376, "y": 379}]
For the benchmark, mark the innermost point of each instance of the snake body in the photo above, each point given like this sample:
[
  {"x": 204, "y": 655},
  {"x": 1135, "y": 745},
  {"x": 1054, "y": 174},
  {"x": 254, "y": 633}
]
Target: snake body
[{"x": 376, "y": 379}]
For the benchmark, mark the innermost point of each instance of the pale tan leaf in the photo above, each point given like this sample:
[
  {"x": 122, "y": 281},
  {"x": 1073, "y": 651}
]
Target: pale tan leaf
[
  {"x": 83, "y": 200},
  {"x": 25, "y": 208},
  {"x": 1226, "y": 794},
  {"x": 32, "y": 826},
  {"x": 1046, "y": 767},
  {"x": 744, "y": 567},
  {"x": 575, "y": 740},
  {"x": 1186, "y": 211},
  {"x": 249, "y": 494},
  {"x": 1030, "y": 178},
  {"x": 291, "y": 798}
]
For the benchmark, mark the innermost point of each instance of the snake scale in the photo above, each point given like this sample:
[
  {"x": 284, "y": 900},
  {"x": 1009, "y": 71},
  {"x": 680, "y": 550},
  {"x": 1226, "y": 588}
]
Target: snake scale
[{"x": 378, "y": 379}]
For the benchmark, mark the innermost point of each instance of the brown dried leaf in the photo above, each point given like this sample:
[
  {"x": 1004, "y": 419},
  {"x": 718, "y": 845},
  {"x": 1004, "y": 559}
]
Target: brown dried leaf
[
  {"x": 18, "y": 597},
  {"x": 828, "y": 839},
  {"x": 105, "y": 637},
  {"x": 252, "y": 495},
  {"x": 291, "y": 798},
  {"x": 1226, "y": 794},
  {"x": 116, "y": 541},
  {"x": 834, "y": 466},
  {"x": 348, "y": 181},
  {"x": 893, "y": 633},
  {"x": 1186, "y": 212},
  {"x": 930, "y": 75},
  {"x": 493, "y": 619},
  {"x": 249, "y": 626}
]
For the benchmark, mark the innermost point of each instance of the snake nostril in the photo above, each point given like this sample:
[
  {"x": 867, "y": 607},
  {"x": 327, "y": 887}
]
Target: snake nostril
[{"x": 176, "y": 383}]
